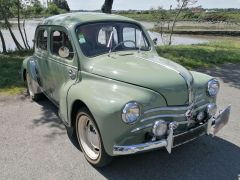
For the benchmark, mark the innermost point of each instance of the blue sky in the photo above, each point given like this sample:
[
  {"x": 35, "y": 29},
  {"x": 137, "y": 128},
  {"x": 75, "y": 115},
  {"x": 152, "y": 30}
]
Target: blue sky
[{"x": 147, "y": 4}]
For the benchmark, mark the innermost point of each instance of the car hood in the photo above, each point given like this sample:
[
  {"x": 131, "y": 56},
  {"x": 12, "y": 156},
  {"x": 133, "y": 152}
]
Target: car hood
[{"x": 150, "y": 71}]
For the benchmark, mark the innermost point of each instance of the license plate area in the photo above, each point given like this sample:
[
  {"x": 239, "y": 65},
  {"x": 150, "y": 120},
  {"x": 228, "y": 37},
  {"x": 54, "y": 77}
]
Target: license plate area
[
  {"x": 221, "y": 120},
  {"x": 189, "y": 135}
]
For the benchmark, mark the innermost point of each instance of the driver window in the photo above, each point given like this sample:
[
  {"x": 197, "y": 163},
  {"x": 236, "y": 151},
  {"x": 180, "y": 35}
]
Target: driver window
[{"x": 61, "y": 43}]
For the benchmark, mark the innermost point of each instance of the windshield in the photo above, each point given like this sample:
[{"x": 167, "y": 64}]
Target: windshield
[{"x": 100, "y": 38}]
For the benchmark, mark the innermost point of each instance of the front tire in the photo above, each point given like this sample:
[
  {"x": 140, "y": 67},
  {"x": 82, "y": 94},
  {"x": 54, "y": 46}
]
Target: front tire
[{"x": 90, "y": 140}]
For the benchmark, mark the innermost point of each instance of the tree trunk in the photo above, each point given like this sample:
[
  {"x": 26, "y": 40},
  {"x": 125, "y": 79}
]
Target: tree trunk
[
  {"x": 174, "y": 22},
  {"x": 18, "y": 45},
  {"x": 25, "y": 34},
  {"x": 19, "y": 27},
  {"x": 3, "y": 43},
  {"x": 107, "y": 6}
]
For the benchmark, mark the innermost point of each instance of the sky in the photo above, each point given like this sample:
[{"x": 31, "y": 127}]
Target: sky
[{"x": 147, "y": 4}]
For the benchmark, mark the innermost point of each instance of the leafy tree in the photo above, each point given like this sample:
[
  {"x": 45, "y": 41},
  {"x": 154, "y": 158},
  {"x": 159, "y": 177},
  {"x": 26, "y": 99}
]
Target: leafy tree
[
  {"x": 62, "y": 4},
  {"x": 53, "y": 9},
  {"x": 6, "y": 12}
]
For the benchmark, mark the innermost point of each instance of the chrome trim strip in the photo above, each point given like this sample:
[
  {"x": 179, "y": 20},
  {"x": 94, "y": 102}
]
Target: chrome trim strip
[
  {"x": 174, "y": 108},
  {"x": 142, "y": 127},
  {"x": 162, "y": 116},
  {"x": 132, "y": 149},
  {"x": 161, "y": 64},
  {"x": 183, "y": 108}
]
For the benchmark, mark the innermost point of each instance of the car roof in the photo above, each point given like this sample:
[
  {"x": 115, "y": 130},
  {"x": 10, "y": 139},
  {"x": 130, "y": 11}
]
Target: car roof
[{"x": 71, "y": 19}]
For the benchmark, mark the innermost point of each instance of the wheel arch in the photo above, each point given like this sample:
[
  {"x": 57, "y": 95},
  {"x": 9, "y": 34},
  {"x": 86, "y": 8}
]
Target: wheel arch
[{"x": 76, "y": 105}]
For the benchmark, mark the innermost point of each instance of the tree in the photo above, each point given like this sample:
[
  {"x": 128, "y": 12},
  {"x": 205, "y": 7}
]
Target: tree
[
  {"x": 62, "y": 4},
  {"x": 4, "y": 50},
  {"x": 5, "y": 13},
  {"x": 107, "y": 6},
  {"x": 18, "y": 19},
  {"x": 181, "y": 5}
]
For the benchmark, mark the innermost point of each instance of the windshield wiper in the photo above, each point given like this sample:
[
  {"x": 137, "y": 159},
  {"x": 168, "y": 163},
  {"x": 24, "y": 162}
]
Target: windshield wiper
[
  {"x": 109, "y": 45},
  {"x": 140, "y": 40}
]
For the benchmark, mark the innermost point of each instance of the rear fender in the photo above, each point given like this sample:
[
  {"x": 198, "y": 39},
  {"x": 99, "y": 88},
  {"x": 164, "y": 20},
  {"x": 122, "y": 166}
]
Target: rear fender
[{"x": 32, "y": 70}]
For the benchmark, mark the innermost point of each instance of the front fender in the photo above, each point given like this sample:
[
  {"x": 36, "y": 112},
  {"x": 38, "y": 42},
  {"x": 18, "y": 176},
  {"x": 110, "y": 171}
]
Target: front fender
[{"x": 106, "y": 98}]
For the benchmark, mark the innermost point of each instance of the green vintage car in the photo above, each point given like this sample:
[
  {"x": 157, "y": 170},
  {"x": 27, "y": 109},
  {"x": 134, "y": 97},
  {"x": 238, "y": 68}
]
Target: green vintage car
[{"x": 112, "y": 89}]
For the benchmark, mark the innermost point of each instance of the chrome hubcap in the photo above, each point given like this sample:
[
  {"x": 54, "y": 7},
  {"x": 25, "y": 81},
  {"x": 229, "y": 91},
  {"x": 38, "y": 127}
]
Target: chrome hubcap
[{"x": 89, "y": 137}]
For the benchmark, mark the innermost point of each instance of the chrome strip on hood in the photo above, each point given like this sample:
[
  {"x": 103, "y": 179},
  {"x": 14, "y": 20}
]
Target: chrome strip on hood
[{"x": 189, "y": 81}]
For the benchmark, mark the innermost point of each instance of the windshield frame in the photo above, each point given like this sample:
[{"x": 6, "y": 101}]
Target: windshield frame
[{"x": 144, "y": 35}]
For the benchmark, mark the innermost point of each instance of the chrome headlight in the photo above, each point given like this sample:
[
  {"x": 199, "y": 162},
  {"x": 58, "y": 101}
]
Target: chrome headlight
[
  {"x": 131, "y": 112},
  {"x": 213, "y": 87}
]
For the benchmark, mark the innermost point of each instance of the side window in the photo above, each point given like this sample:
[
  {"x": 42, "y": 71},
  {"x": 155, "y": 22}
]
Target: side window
[
  {"x": 42, "y": 39},
  {"x": 61, "y": 45}
]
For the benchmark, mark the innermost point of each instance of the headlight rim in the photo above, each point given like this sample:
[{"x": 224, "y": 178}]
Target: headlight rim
[
  {"x": 126, "y": 107},
  {"x": 214, "y": 80}
]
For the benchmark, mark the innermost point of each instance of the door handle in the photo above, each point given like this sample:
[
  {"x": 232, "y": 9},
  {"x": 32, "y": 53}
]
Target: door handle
[{"x": 72, "y": 74}]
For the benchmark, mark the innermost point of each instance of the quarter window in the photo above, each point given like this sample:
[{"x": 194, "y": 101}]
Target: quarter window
[
  {"x": 61, "y": 43},
  {"x": 42, "y": 39}
]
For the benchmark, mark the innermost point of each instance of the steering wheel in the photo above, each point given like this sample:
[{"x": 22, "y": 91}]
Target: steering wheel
[{"x": 122, "y": 42}]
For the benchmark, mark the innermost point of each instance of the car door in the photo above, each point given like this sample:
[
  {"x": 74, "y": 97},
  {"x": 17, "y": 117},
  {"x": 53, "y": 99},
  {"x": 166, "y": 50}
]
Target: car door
[
  {"x": 41, "y": 56},
  {"x": 63, "y": 65}
]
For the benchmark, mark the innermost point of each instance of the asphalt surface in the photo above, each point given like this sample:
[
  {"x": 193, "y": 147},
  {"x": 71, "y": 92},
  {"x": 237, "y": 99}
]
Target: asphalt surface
[{"x": 34, "y": 145}]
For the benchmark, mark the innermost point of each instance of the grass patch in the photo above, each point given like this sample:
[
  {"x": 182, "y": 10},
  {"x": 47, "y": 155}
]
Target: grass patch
[
  {"x": 203, "y": 55},
  {"x": 10, "y": 66}
]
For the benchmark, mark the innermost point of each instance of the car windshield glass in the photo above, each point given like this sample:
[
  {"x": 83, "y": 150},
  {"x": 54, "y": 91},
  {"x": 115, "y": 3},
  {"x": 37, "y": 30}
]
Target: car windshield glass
[{"x": 100, "y": 38}]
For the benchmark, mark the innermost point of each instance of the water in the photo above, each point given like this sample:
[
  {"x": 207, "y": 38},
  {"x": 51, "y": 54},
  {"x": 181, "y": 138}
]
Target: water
[
  {"x": 30, "y": 31},
  {"x": 32, "y": 24}
]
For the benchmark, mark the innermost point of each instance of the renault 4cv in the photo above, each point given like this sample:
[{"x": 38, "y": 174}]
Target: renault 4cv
[{"x": 112, "y": 89}]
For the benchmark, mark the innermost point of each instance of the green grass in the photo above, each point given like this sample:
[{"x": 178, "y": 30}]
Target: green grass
[
  {"x": 10, "y": 66},
  {"x": 204, "y": 55}
]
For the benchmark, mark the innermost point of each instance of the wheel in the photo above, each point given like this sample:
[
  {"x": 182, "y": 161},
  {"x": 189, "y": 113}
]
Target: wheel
[
  {"x": 30, "y": 91},
  {"x": 90, "y": 140}
]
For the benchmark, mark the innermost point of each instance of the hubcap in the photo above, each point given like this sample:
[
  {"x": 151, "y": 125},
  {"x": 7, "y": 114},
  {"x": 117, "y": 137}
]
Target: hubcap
[{"x": 89, "y": 137}]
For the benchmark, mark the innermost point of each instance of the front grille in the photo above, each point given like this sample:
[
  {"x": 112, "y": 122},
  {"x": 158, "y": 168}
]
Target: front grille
[{"x": 189, "y": 135}]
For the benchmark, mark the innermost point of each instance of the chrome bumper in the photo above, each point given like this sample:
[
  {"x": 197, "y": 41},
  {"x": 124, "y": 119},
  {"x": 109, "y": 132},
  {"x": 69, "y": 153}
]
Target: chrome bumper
[{"x": 213, "y": 126}]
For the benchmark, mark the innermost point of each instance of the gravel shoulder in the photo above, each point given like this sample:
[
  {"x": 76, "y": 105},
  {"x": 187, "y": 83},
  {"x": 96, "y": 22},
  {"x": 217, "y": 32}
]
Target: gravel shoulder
[{"x": 34, "y": 145}]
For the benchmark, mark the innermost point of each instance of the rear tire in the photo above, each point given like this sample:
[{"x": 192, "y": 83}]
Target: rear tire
[
  {"x": 33, "y": 96},
  {"x": 89, "y": 139}
]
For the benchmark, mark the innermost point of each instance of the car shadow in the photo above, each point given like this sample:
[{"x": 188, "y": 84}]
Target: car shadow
[
  {"x": 229, "y": 73},
  {"x": 49, "y": 117},
  {"x": 205, "y": 158}
]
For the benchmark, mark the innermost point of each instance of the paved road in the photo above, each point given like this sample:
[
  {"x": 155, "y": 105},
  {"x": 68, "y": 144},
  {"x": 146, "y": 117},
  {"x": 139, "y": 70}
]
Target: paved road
[{"x": 34, "y": 145}]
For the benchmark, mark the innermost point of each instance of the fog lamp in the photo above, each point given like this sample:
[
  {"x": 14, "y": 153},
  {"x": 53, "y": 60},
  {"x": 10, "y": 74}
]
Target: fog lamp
[
  {"x": 211, "y": 109},
  {"x": 160, "y": 128},
  {"x": 200, "y": 116}
]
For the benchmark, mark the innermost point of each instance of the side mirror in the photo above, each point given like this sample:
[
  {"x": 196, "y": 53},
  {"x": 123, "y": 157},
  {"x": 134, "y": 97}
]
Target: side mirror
[{"x": 155, "y": 40}]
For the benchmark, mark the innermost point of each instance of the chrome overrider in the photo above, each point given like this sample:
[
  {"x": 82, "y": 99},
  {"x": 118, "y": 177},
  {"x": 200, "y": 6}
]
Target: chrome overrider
[{"x": 212, "y": 126}]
